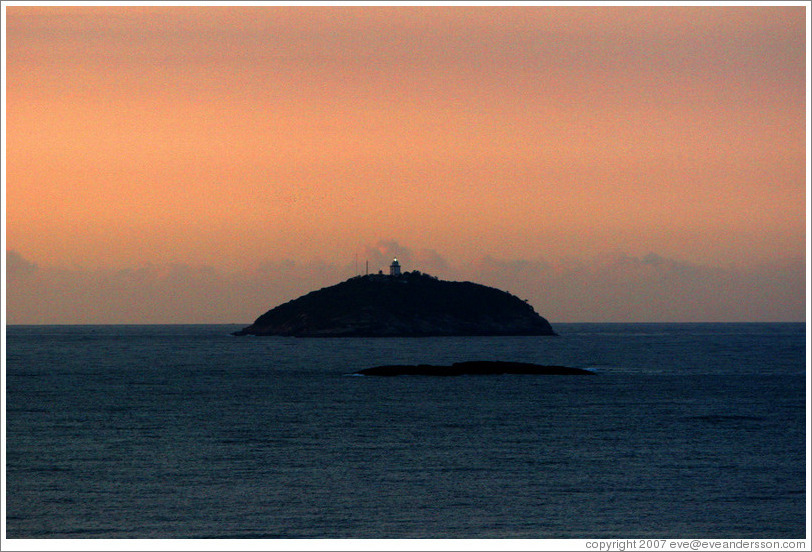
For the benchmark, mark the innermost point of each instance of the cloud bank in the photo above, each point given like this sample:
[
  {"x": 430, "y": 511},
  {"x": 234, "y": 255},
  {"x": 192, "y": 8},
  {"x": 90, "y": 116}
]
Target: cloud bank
[{"x": 609, "y": 288}]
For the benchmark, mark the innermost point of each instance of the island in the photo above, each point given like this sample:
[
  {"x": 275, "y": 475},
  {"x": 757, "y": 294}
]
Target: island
[
  {"x": 473, "y": 368},
  {"x": 409, "y": 304}
]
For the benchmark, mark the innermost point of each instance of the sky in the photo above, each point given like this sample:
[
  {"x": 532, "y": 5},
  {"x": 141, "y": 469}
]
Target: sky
[{"x": 203, "y": 164}]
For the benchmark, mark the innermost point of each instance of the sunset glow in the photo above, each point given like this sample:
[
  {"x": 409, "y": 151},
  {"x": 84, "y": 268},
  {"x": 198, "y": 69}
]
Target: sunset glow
[{"x": 228, "y": 139}]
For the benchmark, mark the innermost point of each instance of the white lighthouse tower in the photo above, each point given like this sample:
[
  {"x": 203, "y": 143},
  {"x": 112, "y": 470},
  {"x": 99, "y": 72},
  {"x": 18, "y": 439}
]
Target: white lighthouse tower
[{"x": 394, "y": 268}]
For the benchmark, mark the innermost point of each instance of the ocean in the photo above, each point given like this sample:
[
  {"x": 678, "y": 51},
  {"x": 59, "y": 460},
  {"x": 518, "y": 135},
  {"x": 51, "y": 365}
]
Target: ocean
[{"x": 685, "y": 431}]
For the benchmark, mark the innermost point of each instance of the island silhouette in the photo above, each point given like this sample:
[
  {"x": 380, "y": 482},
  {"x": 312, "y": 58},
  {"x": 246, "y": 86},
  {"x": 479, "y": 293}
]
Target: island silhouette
[
  {"x": 408, "y": 304},
  {"x": 472, "y": 368}
]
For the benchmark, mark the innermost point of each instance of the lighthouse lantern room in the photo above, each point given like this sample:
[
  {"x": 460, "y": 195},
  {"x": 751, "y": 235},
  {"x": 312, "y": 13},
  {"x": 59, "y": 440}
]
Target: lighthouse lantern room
[{"x": 394, "y": 268}]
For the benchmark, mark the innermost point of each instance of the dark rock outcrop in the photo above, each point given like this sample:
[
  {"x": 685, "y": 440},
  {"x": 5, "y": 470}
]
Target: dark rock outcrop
[
  {"x": 477, "y": 367},
  {"x": 410, "y": 305}
]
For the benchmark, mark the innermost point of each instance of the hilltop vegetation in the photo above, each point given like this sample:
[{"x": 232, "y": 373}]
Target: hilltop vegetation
[{"x": 411, "y": 304}]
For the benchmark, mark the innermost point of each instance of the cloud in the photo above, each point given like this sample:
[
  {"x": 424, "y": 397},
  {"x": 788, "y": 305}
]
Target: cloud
[
  {"x": 380, "y": 255},
  {"x": 17, "y": 265},
  {"x": 607, "y": 288},
  {"x": 618, "y": 287}
]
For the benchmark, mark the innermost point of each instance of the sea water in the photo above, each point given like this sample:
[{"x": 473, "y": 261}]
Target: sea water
[{"x": 686, "y": 430}]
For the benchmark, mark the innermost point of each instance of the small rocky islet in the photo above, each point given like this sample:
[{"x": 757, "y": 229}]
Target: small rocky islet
[{"x": 473, "y": 368}]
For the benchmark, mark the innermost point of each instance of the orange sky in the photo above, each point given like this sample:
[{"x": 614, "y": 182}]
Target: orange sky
[{"x": 235, "y": 136}]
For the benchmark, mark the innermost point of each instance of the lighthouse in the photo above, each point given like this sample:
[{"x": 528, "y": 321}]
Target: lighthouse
[{"x": 394, "y": 268}]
